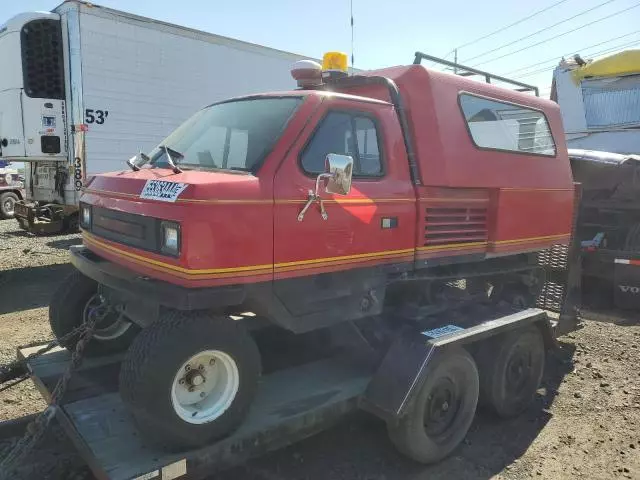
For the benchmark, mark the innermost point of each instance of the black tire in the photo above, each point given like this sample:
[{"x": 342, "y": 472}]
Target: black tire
[
  {"x": 7, "y": 204},
  {"x": 421, "y": 435},
  {"x": 155, "y": 358},
  {"x": 511, "y": 367},
  {"x": 67, "y": 310}
]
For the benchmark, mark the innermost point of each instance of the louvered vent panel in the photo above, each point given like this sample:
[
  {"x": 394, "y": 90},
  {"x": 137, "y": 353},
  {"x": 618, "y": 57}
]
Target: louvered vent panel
[{"x": 451, "y": 225}]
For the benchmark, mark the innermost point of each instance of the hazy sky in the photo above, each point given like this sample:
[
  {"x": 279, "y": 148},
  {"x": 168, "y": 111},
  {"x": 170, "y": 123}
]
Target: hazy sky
[{"x": 389, "y": 32}]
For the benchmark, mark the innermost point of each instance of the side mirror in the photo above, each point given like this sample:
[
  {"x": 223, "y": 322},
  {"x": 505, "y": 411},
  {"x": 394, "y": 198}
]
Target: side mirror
[{"x": 339, "y": 172}]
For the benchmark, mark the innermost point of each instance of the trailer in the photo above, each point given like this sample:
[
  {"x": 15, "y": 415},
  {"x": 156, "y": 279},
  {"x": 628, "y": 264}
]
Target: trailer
[
  {"x": 291, "y": 404},
  {"x": 86, "y": 87}
]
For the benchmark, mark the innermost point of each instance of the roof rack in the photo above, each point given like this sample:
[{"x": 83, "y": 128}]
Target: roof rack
[{"x": 469, "y": 71}]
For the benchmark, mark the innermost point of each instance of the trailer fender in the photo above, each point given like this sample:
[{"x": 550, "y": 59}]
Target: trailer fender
[{"x": 394, "y": 385}]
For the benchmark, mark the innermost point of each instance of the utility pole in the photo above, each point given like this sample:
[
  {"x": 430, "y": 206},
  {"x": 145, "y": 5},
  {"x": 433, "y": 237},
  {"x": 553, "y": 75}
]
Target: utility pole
[{"x": 455, "y": 60}]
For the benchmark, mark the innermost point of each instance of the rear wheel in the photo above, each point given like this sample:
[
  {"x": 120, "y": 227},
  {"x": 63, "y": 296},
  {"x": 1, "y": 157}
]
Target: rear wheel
[
  {"x": 511, "y": 367},
  {"x": 7, "y": 204},
  {"x": 190, "y": 378},
  {"x": 77, "y": 301},
  {"x": 443, "y": 410}
]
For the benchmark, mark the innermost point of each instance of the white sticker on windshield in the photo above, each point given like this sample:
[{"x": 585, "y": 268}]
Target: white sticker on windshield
[{"x": 162, "y": 190}]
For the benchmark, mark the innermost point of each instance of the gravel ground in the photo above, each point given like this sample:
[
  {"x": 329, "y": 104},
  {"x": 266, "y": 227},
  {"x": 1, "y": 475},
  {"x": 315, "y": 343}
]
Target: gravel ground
[{"x": 585, "y": 422}]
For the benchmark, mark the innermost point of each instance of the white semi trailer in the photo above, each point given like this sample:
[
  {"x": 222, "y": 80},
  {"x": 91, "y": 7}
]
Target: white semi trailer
[{"x": 86, "y": 87}]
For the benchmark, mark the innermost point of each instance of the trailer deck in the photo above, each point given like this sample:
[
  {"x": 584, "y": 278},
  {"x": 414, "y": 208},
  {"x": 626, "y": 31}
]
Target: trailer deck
[{"x": 291, "y": 404}]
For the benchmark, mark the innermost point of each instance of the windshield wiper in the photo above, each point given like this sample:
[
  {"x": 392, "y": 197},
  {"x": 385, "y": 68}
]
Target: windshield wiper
[{"x": 170, "y": 161}]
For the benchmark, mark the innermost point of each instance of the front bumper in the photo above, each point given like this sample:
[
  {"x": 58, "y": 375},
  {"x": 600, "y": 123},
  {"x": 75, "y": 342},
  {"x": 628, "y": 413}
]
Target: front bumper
[{"x": 136, "y": 287}]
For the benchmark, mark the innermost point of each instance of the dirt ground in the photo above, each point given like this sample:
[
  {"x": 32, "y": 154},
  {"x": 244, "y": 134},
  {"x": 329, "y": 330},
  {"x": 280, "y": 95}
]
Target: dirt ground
[{"x": 585, "y": 422}]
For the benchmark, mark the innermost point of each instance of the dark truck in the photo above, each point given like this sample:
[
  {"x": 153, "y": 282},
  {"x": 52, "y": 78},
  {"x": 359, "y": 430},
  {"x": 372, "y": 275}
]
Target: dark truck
[
  {"x": 11, "y": 190},
  {"x": 609, "y": 227}
]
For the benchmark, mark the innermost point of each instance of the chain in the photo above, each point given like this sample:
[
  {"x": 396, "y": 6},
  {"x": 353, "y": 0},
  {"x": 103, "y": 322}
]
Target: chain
[
  {"x": 16, "y": 369},
  {"x": 38, "y": 427}
]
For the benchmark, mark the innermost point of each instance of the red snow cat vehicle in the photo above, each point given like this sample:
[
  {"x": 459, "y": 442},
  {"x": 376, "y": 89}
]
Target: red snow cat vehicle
[{"x": 391, "y": 221}]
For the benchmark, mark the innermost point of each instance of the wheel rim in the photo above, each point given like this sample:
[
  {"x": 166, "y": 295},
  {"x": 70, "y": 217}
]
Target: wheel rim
[
  {"x": 518, "y": 372},
  {"x": 443, "y": 404},
  {"x": 8, "y": 206},
  {"x": 205, "y": 386},
  {"x": 111, "y": 324}
]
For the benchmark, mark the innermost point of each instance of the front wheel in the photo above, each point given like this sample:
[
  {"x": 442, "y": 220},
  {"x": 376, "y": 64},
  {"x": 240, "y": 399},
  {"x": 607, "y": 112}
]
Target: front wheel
[
  {"x": 443, "y": 410},
  {"x": 77, "y": 301},
  {"x": 190, "y": 378},
  {"x": 8, "y": 204}
]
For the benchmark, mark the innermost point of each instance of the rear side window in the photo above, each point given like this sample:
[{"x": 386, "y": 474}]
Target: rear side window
[
  {"x": 505, "y": 126},
  {"x": 345, "y": 134}
]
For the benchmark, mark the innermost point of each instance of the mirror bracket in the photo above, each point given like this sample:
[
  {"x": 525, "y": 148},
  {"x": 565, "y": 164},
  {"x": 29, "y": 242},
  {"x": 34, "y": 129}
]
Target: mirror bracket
[
  {"x": 315, "y": 197},
  {"x": 337, "y": 177}
]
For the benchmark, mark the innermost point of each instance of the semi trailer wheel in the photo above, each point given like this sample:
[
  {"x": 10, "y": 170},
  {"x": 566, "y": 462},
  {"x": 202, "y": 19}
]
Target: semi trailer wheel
[
  {"x": 190, "y": 378},
  {"x": 7, "y": 204},
  {"x": 443, "y": 410},
  {"x": 74, "y": 303},
  {"x": 511, "y": 367}
]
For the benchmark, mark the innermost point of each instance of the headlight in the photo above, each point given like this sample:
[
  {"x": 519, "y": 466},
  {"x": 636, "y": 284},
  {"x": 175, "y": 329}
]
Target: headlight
[
  {"x": 170, "y": 238},
  {"x": 85, "y": 215}
]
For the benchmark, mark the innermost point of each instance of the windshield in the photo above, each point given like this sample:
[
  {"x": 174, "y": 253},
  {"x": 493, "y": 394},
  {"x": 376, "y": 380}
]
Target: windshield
[{"x": 234, "y": 135}]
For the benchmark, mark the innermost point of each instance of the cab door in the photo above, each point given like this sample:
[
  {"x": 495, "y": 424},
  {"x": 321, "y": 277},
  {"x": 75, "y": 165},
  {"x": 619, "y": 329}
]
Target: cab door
[{"x": 366, "y": 233}]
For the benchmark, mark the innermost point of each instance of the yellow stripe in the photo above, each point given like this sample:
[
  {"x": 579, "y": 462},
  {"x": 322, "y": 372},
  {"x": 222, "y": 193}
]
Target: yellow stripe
[
  {"x": 424, "y": 199},
  {"x": 344, "y": 257},
  {"x": 407, "y": 256},
  {"x": 530, "y": 239},
  {"x": 169, "y": 266},
  {"x": 373, "y": 255},
  {"x": 367, "y": 201},
  {"x": 518, "y": 189},
  {"x": 106, "y": 192},
  {"x": 288, "y": 266},
  {"x": 452, "y": 245},
  {"x": 185, "y": 200},
  {"x": 257, "y": 201}
]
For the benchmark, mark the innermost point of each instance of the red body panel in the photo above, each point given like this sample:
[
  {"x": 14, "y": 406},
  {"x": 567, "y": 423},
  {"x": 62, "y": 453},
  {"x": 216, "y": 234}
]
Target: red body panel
[
  {"x": 241, "y": 228},
  {"x": 352, "y": 236}
]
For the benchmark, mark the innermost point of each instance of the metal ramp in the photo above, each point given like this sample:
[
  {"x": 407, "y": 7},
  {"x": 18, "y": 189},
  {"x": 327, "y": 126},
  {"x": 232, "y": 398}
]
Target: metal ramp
[{"x": 291, "y": 404}]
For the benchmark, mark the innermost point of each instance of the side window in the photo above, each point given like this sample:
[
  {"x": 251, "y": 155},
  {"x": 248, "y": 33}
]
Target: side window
[
  {"x": 505, "y": 126},
  {"x": 345, "y": 134},
  {"x": 368, "y": 152}
]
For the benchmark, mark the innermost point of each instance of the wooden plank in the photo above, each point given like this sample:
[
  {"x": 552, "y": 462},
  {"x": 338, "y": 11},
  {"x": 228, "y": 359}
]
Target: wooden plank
[
  {"x": 95, "y": 375},
  {"x": 290, "y": 405}
]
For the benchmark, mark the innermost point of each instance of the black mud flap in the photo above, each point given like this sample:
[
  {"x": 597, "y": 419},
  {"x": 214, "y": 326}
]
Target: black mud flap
[
  {"x": 400, "y": 375},
  {"x": 626, "y": 282}
]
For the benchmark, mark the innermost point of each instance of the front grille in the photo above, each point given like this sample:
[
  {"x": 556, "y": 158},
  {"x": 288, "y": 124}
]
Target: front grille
[
  {"x": 445, "y": 225},
  {"x": 126, "y": 228}
]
